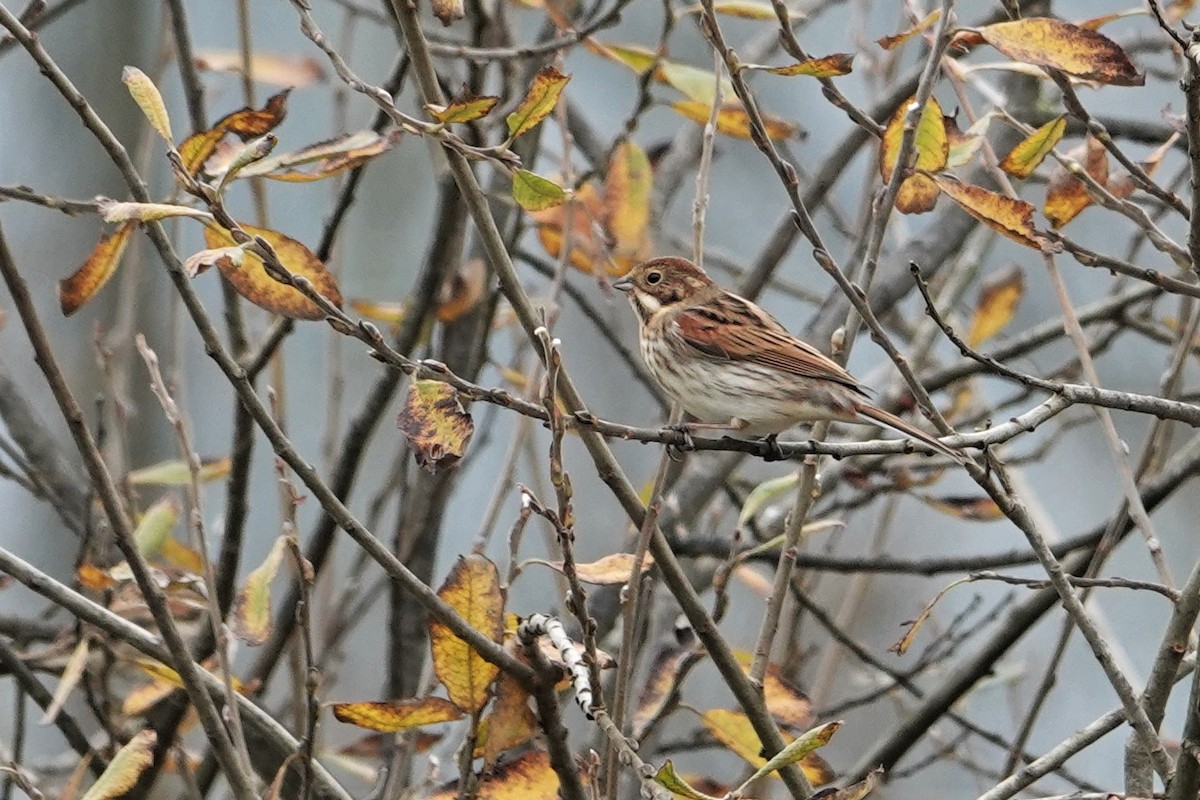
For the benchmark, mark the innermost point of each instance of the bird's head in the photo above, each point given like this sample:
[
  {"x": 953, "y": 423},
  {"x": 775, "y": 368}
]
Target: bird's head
[{"x": 664, "y": 282}]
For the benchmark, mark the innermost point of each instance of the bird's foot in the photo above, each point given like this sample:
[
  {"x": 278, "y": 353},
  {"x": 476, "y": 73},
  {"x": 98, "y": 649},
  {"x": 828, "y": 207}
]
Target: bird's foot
[
  {"x": 774, "y": 451},
  {"x": 676, "y": 451}
]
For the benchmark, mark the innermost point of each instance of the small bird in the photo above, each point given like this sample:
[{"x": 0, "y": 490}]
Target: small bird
[{"x": 733, "y": 366}]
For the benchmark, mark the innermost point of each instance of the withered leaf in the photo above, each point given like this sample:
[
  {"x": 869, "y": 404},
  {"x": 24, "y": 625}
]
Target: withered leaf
[
  {"x": 246, "y": 123},
  {"x": 252, "y": 607},
  {"x": 978, "y": 508},
  {"x": 1023, "y": 159},
  {"x": 1010, "y": 217},
  {"x": 1081, "y": 52},
  {"x": 125, "y": 768},
  {"x": 914, "y": 626},
  {"x": 825, "y": 67},
  {"x": 732, "y": 119},
  {"x": 251, "y": 281},
  {"x": 790, "y": 707},
  {"x": 997, "y": 302},
  {"x": 463, "y": 291},
  {"x": 661, "y": 681},
  {"x": 324, "y": 159},
  {"x": 447, "y": 10},
  {"x": 511, "y": 722},
  {"x": 527, "y": 777},
  {"x": 918, "y": 193},
  {"x": 1066, "y": 195},
  {"x": 85, "y": 282},
  {"x": 277, "y": 69},
  {"x": 397, "y": 716},
  {"x": 611, "y": 570},
  {"x": 473, "y": 590},
  {"x": 895, "y": 40},
  {"x": 538, "y": 102},
  {"x": 435, "y": 424}
]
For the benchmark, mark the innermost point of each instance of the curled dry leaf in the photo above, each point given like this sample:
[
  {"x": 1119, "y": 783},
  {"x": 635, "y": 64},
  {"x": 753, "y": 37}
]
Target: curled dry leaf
[
  {"x": 914, "y": 626},
  {"x": 398, "y": 716},
  {"x": 324, "y": 159},
  {"x": 825, "y": 67},
  {"x": 251, "y": 620},
  {"x": 200, "y": 262},
  {"x": 998, "y": 299},
  {"x": 146, "y": 95},
  {"x": 918, "y": 193},
  {"x": 1080, "y": 52},
  {"x": 1005, "y": 215},
  {"x": 447, "y": 10},
  {"x": 75, "y": 291},
  {"x": 612, "y": 570},
  {"x": 245, "y": 123},
  {"x": 897, "y": 39},
  {"x": 465, "y": 108},
  {"x": 856, "y": 791},
  {"x": 538, "y": 102},
  {"x": 1023, "y": 159},
  {"x": 732, "y": 119},
  {"x": 473, "y": 590},
  {"x": 114, "y": 211},
  {"x": 527, "y": 777},
  {"x": 125, "y": 768},
  {"x": 251, "y": 281},
  {"x": 1067, "y": 196},
  {"x": 435, "y": 424},
  {"x": 277, "y": 69}
]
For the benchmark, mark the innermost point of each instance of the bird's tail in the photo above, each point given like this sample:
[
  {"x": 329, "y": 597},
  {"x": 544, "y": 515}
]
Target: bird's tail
[{"x": 896, "y": 423}]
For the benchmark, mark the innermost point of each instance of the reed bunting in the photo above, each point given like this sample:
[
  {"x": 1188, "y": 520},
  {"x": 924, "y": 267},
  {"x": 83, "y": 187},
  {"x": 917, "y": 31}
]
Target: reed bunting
[{"x": 732, "y": 365}]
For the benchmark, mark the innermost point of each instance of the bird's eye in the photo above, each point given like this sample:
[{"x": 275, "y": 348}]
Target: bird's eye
[{"x": 653, "y": 278}]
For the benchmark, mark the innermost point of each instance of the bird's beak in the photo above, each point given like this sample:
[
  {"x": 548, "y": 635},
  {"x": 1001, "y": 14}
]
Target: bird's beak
[{"x": 623, "y": 285}]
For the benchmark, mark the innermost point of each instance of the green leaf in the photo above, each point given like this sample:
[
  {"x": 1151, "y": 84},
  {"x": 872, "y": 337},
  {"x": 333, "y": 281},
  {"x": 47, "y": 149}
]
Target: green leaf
[
  {"x": 538, "y": 103},
  {"x": 535, "y": 193}
]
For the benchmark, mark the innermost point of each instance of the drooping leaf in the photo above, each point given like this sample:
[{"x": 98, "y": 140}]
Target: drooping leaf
[
  {"x": 857, "y": 791},
  {"x": 463, "y": 109},
  {"x": 276, "y": 69},
  {"x": 796, "y": 751},
  {"x": 627, "y": 188},
  {"x": 527, "y": 777},
  {"x": 72, "y": 673},
  {"x": 914, "y": 626},
  {"x": 511, "y": 722},
  {"x": 918, "y": 193},
  {"x": 825, "y": 67},
  {"x": 146, "y": 95},
  {"x": 897, "y": 39},
  {"x": 1023, "y": 159},
  {"x": 155, "y": 526},
  {"x": 252, "y": 282},
  {"x": 174, "y": 472},
  {"x": 125, "y": 768},
  {"x": 1077, "y": 51},
  {"x": 397, "y": 716},
  {"x": 435, "y": 424},
  {"x": 538, "y": 102},
  {"x": 660, "y": 683},
  {"x": 85, "y": 282},
  {"x": 789, "y": 706},
  {"x": 734, "y": 730},
  {"x": 978, "y": 508},
  {"x": 997, "y": 302},
  {"x": 1066, "y": 195},
  {"x": 611, "y": 570},
  {"x": 324, "y": 159},
  {"x": 673, "y": 781},
  {"x": 201, "y": 262},
  {"x": 473, "y": 590},
  {"x": 732, "y": 119},
  {"x": 536, "y": 193},
  {"x": 1010, "y": 217},
  {"x": 114, "y": 211},
  {"x": 251, "y": 620},
  {"x": 245, "y": 123}
]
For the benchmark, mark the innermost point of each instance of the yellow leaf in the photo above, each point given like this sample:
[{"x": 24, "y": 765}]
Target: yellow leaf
[
  {"x": 463, "y": 109},
  {"x": 585, "y": 210},
  {"x": 790, "y": 707},
  {"x": 1077, "y": 51},
  {"x": 673, "y": 781},
  {"x": 538, "y": 103},
  {"x": 389, "y": 313},
  {"x": 612, "y": 570},
  {"x": 699, "y": 85},
  {"x": 175, "y": 552},
  {"x": 1010, "y": 217},
  {"x": 1066, "y": 195},
  {"x": 627, "y": 189},
  {"x": 825, "y": 67},
  {"x": 895, "y": 40},
  {"x": 998, "y": 300},
  {"x": 92, "y": 577},
  {"x": 511, "y": 722},
  {"x": 398, "y": 716},
  {"x": 1029, "y": 153},
  {"x": 141, "y": 699},
  {"x": 245, "y": 123},
  {"x": 535, "y": 193},
  {"x": 918, "y": 193},
  {"x": 155, "y": 526},
  {"x": 125, "y": 768},
  {"x": 251, "y": 620},
  {"x": 175, "y": 472},
  {"x": 527, "y": 777},
  {"x": 734, "y": 730},
  {"x": 252, "y": 282},
  {"x": 473, "y": 590},
  {"x": 85, "y": 282},
  {"x": 732, "y": 119},
  {"x": 901, "y": 647},
  {"x": 435, "y": 424},
  {"x": 277, "y": 69},
  {"x": 146, "y": 95}
]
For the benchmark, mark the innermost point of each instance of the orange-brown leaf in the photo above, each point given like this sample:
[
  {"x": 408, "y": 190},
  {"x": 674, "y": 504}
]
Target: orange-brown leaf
[
  {"x": 447, "y": 10},
  {"x": 585, "y": 210},
  {"x": 1066, "y": 195},
  {"x": 1012, "y": 218},
  {"x": 825, "y": 67},
  {"x": 732, "y": 119},
  {"x": 277, "y": 69},
  {"x": 915, "y": 625},
  {"x": 246, "y": 123},
  {"x": 931, "y": 145},
  {"x": 1023, "y": 159},
  {"x": 511, "y": 722},
  {"x": 895, "y": 40},
  {"x": 790, "y": 707},
  {"x": 85, "y": 282},
  {"x": 473, "y": 590},
  {"x": 527, "y": 777},
  {"x": 252, "y": 282},
  {"x": 998, "y": 299},
  {"x": 398, "y": 716},
  {"x": 1077, "y": 51},
  {"x": 463, "y": 291},
  {"x": 978, "y": 508},
  {"x": 435, "y": 424}
]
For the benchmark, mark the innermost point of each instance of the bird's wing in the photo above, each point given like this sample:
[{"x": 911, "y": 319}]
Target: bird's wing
[{"x": 733, "y": 328}]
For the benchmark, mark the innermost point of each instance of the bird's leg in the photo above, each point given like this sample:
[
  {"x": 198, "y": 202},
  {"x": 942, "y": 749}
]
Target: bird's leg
[{"x": 684, "y": 429}]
